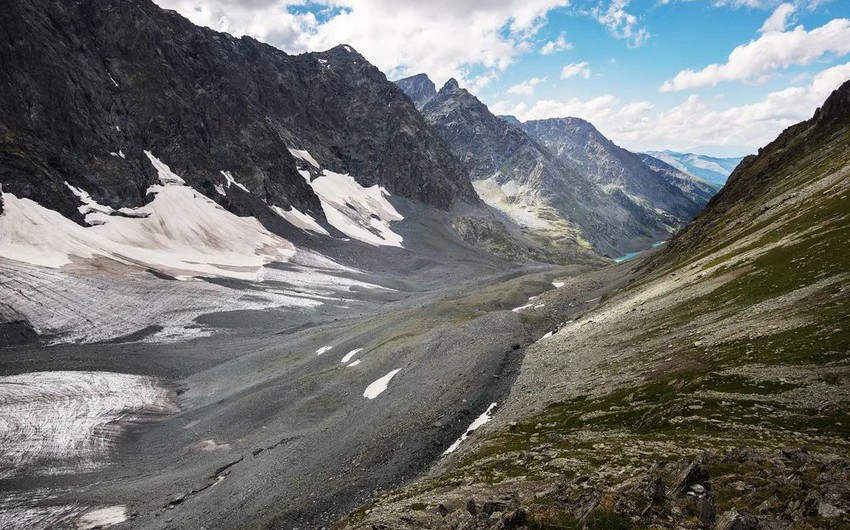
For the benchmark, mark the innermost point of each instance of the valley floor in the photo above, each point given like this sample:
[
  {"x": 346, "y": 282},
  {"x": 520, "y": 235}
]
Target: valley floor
[{"x": 264, "y": 419}]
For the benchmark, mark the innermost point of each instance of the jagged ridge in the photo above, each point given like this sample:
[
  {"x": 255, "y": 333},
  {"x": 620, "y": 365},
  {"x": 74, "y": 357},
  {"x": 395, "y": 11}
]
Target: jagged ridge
[{"x": 92, "y": 84}]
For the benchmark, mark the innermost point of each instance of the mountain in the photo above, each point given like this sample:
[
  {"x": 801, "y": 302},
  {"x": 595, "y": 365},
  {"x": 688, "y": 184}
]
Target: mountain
[
  {"x": 513, "y": 120},
  {"x": 699, "y": 189},
  {"x": 708, "y": 168},
  {"x": 517, "y": 175},
  {"x": 138, "y": 143},
  {"x": 419, "y": 88},
  {"x": 579, "y": 144},
  {"x": 83, "y": 104},
  {"x": 702, "y": 386},
  {"x": 561, "y": 179}
]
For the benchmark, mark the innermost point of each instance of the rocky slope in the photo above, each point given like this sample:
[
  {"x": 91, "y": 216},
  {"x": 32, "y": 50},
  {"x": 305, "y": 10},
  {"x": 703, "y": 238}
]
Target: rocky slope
[
  {"x": 707, "y": 386},
  {"x": 709, "y": 168},
  {"x": 89, "y": 86},
  {"x": 561, "y": 179},
  {"x": 516, "y": 175},
  {"x": 576, "y": 142}
]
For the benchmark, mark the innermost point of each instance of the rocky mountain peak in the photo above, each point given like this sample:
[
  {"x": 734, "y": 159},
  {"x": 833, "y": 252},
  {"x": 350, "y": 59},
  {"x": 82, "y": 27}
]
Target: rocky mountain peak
[
  {"x": 451, "y": 84},
  {"x": 570, "y": 128},
  {"x": 419, "y": 88}
]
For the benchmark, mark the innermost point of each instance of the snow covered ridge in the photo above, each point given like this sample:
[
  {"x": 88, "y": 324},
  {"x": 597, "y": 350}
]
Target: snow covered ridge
[
  {"x": 65, "y": 422},
  {"x": 180, "y": 232}
]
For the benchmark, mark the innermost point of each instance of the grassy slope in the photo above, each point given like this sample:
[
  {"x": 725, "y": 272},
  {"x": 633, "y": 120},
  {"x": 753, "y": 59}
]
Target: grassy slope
[{"x": 732, "y": 349}]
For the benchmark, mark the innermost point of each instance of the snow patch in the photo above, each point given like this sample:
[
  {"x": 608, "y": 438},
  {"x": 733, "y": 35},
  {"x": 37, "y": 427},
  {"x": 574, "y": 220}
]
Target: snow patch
[
  {"x": 102, "y": 517},
  {"x": 172, "y": 334},
  {"x": 355, "y": 363},
  {"x": 558, "y": 285},
  {"x": 377, "y": 388},
  {"x": 520, "y": 308},
  {"x": 479, "y": 421},
  {"x": 114, "y": 82},
  {"x": 361, "y": 213},
  {"x": 323, "y": 349},
  {"x": 300, "y": 220},
  {"x": 350, "y": 355},
  {"x": 303, "y": 155},
  {"x": 231, "y": 181},
  {"x": 164, "y": 172}
]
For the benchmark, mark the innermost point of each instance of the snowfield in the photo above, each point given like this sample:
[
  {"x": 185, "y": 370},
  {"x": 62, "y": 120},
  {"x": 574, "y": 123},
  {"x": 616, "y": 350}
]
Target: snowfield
[
  {"x": 361, "y": 213},
  {"x": 69, "y": 306},
  {"x": 54, "y": 272},
  {"x": 65, "y": 422},
  {"x": 181, "y": 233}
]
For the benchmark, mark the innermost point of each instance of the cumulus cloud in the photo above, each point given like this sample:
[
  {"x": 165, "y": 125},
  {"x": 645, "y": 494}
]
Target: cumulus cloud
[
  {"x": 581, "y": 69},
  {"x": 620, "y": 23},
  {"x": 557, "y": 45},
  {"x": 445, "y": 38},
  {"x": 693, "y": 122},
  {"x": 772, "y": 51},
  {"x": 778, "y": 21},
  {"x": 526, "y": 88}
]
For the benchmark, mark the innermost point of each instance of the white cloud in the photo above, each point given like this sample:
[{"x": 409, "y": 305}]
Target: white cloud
[
  {"x": 554, "y": 46},
  {"x": 778, "y": 21},
  {"x": 620, "y": 23},
  {"x": 576, "y": 69},
  {"x": 526, "y": 88},
  {"x": 772, "y": 51},
  {"x": 478, "y": 82},
  {"x": 693, "y": 122},
  {"x": 442, "y": 37}
]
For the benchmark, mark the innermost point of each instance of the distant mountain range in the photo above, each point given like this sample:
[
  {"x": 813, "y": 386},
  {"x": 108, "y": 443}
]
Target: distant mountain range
[
  {"x": 708, "y": 168},
  {"x": 561, "y": 179}
]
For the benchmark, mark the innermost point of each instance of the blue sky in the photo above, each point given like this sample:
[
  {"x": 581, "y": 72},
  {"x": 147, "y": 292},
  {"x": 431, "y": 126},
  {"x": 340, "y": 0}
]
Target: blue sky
[{"x": 720, "y": 77}]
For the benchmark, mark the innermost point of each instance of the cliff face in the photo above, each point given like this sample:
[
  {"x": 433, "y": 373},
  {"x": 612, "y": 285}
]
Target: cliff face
[{"x": 89, "y": 86}]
